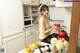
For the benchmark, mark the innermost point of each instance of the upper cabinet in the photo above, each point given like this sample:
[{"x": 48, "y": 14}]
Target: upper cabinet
[
  {"x": 35, "y": 2},
  {"x": 27, "y": 1},
  {"x": 62, "y": 3},
  {"x": 48, "y": 2},
  {"x": 31, "y": 2}
]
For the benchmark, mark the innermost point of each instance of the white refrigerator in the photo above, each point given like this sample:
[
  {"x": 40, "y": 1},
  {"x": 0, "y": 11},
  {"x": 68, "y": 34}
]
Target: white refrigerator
[
  {"x": 11, "y": 17},
  {"x": 11, "y": 26}
]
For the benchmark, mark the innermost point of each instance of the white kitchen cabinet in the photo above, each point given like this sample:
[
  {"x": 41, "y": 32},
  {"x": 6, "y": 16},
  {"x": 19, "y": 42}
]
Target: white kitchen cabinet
[
  {"x": 35, "y": 2},
  {"x": 30, "y": 35},
  {"x": 14, "y": 44},
  {"x": 31, "y": 2},
  {"x": 37, "y": 33},
  {"x": 27, "y": 1},
  {"x": 30, "y": 15},
  {"x": 29, "y": 31},
  {"x": 30, "y": 39},
  {"x": 48, "y": 2},
  {"x": 61, "y": 3},
  {"x": 11, "y": 15}
]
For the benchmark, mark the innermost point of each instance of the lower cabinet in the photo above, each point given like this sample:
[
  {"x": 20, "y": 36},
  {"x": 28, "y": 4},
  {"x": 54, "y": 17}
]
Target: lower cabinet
[
  {"x": 14, "y": 44},
  {"x": 37, "y": 33},
  {"x": 31, "y": 35},
  {"x": 30, "y": 40},
  {"x": 17, "y": 42}
]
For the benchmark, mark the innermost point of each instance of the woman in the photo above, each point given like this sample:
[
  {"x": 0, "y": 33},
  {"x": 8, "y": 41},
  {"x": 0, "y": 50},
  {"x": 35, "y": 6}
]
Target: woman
[{"x": 44, "y": 26}]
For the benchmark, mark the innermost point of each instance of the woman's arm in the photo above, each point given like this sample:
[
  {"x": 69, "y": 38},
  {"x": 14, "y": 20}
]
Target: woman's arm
[{"x": 42, "y": 28}]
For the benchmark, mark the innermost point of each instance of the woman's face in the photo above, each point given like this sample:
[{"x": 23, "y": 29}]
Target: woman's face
[{"x": 45, "y": 12}]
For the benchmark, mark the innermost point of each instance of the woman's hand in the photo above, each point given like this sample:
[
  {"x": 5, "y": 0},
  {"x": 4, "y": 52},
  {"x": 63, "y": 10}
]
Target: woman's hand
[{"x": 54, "y": 27}]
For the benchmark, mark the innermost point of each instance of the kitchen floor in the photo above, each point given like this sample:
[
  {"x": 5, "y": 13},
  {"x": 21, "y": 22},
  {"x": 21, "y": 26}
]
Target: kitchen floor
[{"x": 78, "y": 50}]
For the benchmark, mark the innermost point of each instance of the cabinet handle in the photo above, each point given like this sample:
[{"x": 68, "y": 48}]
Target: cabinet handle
[{"x": 24, "y": 28}]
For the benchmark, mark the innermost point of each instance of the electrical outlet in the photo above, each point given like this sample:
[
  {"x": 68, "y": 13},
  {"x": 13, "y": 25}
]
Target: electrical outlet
[{"x": 1, "y": 50}]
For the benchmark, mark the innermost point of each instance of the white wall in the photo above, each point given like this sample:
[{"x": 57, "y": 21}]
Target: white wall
[
  {"x": 62, "y": 16},
  {"x": 67, "y": 18},
  {"x": 56, "y": 13}
]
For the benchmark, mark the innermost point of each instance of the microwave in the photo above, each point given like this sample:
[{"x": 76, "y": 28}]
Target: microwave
[{"x": 29, "y": 22}]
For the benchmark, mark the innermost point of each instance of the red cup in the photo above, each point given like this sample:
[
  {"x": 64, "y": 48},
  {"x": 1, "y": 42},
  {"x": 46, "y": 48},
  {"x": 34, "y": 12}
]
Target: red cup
[{"x": 57, "y": 25}]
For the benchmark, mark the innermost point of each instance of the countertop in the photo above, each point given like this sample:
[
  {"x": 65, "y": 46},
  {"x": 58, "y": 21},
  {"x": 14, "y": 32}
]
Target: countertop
[
  {"x": 43, "y": 44},
  {"x": 37, "y": 50}
]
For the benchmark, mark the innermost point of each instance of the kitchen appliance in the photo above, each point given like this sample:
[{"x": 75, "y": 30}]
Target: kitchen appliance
[
  {"x": 28, "y": 22},
  {"x": 48, "y": 39},
  {"x": 62, "y": 34}
]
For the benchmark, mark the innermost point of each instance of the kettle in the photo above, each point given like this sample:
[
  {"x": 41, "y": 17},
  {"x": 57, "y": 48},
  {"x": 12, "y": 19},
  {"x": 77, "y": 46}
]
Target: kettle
[{"x": 62, "y": 34}]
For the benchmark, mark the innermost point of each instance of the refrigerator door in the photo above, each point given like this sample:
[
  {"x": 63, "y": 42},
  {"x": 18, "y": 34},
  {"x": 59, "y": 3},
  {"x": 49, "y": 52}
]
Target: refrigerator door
[{"x": 11, "y": 17}]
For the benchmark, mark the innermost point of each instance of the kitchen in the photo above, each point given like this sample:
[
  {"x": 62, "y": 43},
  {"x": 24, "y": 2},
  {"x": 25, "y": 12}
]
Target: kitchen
[{"x": 19, "y": 21}]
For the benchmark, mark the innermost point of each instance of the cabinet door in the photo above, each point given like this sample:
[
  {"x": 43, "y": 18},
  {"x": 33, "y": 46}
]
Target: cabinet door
[
  {"x": 35, "y": 2},
  {"x": 11, "y": 17},
  {"x": 14, "y": 44},
  {"x": 30, "y": 40},
  {"x": 27, "y": 1},
  {"x": 37, "y": 33},
  {"x": 30, "y": 35},
  {"x": 30, "y": 32},
  {"x": 51, "y": 2},
  {"x": 48, "y": 2},
  {"x": 61, "y": 3},
  {"x": 44, "y": 1}
]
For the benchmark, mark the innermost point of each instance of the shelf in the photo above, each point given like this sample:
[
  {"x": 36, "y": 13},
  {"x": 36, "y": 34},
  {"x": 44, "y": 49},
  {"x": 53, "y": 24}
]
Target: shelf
[
  {"x": 28, "y": 19},
  {"x": 27, "y": 16},
  {"x": 35, "y": 16},
  {"x": 34, "y": 10},
  {"x": 28, "y": 26},
  {"x": 30, "y": 14}
]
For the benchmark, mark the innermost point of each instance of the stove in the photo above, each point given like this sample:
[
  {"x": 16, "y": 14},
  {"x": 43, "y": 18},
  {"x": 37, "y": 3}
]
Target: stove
[{"x": 48, "y": 39}]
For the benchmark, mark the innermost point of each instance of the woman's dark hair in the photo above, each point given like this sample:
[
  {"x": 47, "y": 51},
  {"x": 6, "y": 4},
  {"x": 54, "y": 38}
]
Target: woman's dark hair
[{"x": 42, "y": 8}]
